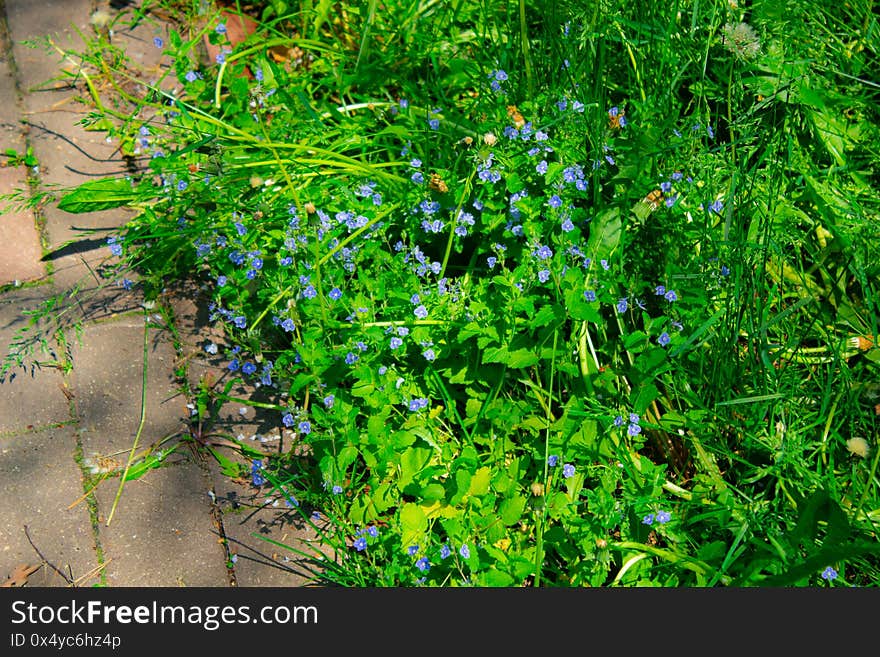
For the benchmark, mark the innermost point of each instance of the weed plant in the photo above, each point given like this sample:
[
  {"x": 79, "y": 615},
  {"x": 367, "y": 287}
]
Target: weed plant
[{"x": 552, "y": 294}]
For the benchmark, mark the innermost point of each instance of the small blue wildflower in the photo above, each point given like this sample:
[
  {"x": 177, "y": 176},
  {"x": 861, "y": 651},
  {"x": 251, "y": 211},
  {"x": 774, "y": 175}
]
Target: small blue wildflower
[
  {"x": 412, "y": 550},
  {"x": 618, "y": 421},
  {"x": 633, "y": 429},
  {"x": 552, "y": 460},
  {"x": 395, "y": 342},
  {"x": 335, "y": 293},
  {"x": 257, "y": 478},
  {"x": 288, "y": 419},
  {"x": 288, "y": 325},
  {"x": 158, "y": 42},
  {"x": 648, "y": 519},
  {"x": 421, "y": 312},
  {"x": 663, "y": 517},
  {"x": 445, "y": 551},
  {"x": 233, "y": 365},
  {"x": 434, "y": 124},
  {"x": 305, "y": 427},
  {"x": 240, "y": 321},
  {"x": 717, "y": 206},
  {"x": 310, "y": 292},
  {"x": 191, "y": 76},
  {"x": 670, "y": 296},
  {"x": 544, "y": 275},
  {"x": 373, "y": 531},
  {"x": 337, "y": 489},
  {"x": 568, "y": 470},
  {"x": 220, "y": 29},
  {"x": 248, "y": 368},
  {"x": 829, "y": 574},
  {"x": 622, "y": 305},
  {"x": 567, "y": 225},
  {"x": 328, "y": 401},
  {"x": 351, "y": 358},
  {"x": 554, "y": 201},
  {"x": 423, "y": 564},
  {"x": 590, "y": 296},
  {"x": 491, "y": 261},
  {"x": 541, "y": 167},
  {"x": 660, "y": 290},
  {"x": 360, "y": 544},
  {"x": 543, "y": 252},
  {"x": 465, "y": 551},
  {"x": 663, "y": 340},
  {"x": 220, "y": 58}
]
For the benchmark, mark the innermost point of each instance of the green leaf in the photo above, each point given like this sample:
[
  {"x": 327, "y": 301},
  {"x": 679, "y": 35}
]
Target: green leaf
[
  {"x": 511, "y": 509},
  {"x": 101, "y": 194},
  {"x": 412, "y": 462},
  {"x": 480, "y": 482},
  {"x": 413, "y": 524}
]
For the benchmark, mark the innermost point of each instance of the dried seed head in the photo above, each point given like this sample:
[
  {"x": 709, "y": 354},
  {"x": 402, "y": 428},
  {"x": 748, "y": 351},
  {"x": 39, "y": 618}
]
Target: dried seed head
[
  {"x": 741, "y": 40},
  {"x": 858, "y": 446}
]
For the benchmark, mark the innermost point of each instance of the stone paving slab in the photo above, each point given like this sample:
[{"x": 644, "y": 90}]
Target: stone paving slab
[
  {"x": 20, "y": 248},
  {"x": 107, "y": 381},
  {"x": 161, "y": 533},
  {"x": 39, "y": 480},
  {"x": 32, "y": 398}
]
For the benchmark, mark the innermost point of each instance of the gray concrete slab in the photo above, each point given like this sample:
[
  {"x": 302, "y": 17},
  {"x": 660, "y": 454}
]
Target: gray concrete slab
[
  {"x": 20, "y": 249},
  {"x": 162, "y": 533},
  {"x": 34, "y": 397},
  {"x": 39, "y": 480},
  {"x": 107, "y": 381}
]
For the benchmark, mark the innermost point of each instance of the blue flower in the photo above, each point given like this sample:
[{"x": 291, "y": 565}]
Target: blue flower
[
  {"x": 465, "y": 551},
  {"x": 618, "y": 421},
  {"x": 240, "y": 321},
  {"x": 220, "y": 29},
  {"x": 663, "y": 340},
  {"x": 552, "y": 460},
  {"x": 544, "y": 275},
  {"x": 421, "y": 312},
  {"x": 191, "y": 76},
  {"x": 337, "y": 489},
  {"x": 633, "y": 429},
  {"x": 360, "y": 544},
  {"x": 663, "y": 517},
  {"x": 622, "y": 305},
  {"x": 829, "y": 574},
  {"x": 429, "y": 354},
  {"x": 648, "y": 519},
  {"x": 233, "y": 365},
  {"x": 543, "y": 252},
  {"x": 248, "y": 368},
  {"x": 305, "y": 427},
  {"x": 670, "y": 296},
  {"x": 335, "y": 293},
  {"x": 434, "y": 124},
  {"x": 395, "y": 342},
  {"x": 589, "y": 295},
  {"x": 373, "y": 531},
  {"x": 257, "y": 478},
  {"x": 288, "y": 325},
  {"x": 328, "y": 401},
  {"x": 351, "y": 358},
  {"x": 288, "y": 419},
  {"x": 158, "y": 42},
  {"x": 412, "y": 550},
  {"x": 423, "y": 564},
  {"x": 445, "y": 551},
  {"x": 554, "y": 201},
  {"x": 568, "y": 470}
]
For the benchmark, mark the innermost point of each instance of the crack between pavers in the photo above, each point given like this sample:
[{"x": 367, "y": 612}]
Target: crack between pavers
[{"x": 33, "y": 178}]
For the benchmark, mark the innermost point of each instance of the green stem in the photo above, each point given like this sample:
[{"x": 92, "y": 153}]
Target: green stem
[
  {"x": 524, "y": 43},
  {"x": 539, "y": 548},
  {"x": 143, "y": 419}
]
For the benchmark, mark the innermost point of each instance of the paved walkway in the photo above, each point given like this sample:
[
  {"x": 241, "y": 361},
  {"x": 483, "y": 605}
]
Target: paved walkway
[{"x": 61, "y": 425}]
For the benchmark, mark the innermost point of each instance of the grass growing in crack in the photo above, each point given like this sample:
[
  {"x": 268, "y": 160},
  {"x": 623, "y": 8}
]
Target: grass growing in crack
[{"x": 581, "y": 296}]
